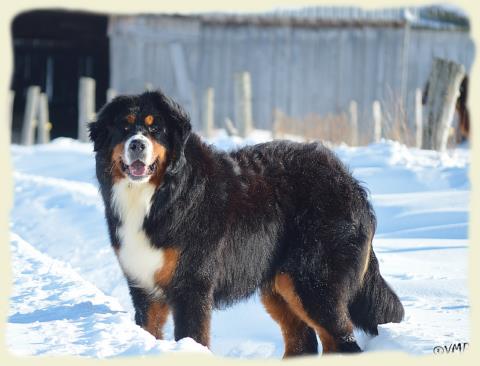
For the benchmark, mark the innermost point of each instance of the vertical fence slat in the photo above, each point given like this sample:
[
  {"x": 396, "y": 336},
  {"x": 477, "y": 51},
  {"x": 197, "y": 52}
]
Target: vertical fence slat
[
  {"x": 353, "y": 109},
  {"x": 31, "y": 106},
  {"x": 10, "y": 100},
  {"x": 208, "y": 109},
  {"x": 230, "y": 127},
  {"x": 86, "y": 106},
  {"x": 43, "y": 130},
  {"x": 243, "y": 103},
  {"x": 418, "y": 118},
  {"x": 377, "y": 121},
  {"x": 111, "y": 94},
  {"x": 442, "y": 94},
  {"x": 149, "y": 86}
]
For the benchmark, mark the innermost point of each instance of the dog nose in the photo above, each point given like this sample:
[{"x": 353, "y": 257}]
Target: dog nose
[{"x": 136, "y": 145}]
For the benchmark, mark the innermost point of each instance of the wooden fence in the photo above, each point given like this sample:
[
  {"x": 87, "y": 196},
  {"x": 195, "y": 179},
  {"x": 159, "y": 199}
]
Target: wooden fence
[
  {"x": 36, "y": 118},
  {"x": 443, "y": 91}
]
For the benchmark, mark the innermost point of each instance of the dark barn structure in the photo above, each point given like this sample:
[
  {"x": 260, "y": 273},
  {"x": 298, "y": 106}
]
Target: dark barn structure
[{"x": 53, "y": 49}]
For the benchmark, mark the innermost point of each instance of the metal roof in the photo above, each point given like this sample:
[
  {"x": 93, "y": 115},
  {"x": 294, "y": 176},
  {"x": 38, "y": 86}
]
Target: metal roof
[{"x": 432, "y": 17}]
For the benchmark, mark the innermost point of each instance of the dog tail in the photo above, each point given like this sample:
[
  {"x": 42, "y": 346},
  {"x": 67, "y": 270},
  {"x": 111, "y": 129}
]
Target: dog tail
[{"x": 375, "y": 303}]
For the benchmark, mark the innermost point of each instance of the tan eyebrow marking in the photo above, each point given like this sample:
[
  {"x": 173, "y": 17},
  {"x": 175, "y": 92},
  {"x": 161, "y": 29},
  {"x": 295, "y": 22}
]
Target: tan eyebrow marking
[
  {"x": 131, "y": 118},
  {"x": 149, "y": 120}
]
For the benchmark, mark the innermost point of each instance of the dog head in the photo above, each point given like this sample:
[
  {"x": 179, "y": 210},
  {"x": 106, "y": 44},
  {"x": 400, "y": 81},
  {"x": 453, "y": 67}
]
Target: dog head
[{"x": 140, "y": 137}]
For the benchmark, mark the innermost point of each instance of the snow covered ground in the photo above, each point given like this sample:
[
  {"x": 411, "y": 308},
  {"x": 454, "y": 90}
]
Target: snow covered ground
[{"x": 69, "y": 296}]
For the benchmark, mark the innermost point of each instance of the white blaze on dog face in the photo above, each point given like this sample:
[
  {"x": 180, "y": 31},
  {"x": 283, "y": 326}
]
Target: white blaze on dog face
[
  {"x": 138, "y": 147},
  {"x": 138, "y": 158}
]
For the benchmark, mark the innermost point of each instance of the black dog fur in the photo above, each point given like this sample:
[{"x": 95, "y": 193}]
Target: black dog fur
[{"x": 283, "y": 218}]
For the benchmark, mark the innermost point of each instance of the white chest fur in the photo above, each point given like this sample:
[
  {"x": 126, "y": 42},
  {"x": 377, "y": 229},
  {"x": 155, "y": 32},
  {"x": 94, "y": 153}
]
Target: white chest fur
[{"x": 138, "y": 258}]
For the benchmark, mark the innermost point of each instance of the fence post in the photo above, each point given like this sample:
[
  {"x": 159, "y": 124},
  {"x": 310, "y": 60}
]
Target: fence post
[
  {"x": 377, "y": 121},
  {"x": 418, "y": 118},
  {"x": 86, "y": 106},
  {"x": 10, "y": 101},
  {"x": 277, "y": 124},
  {"x": 44, "y": 126},
  {"x": 148, "y": 86},
  {"x": 243, "y": 103},
  {"x": 353, "y": 109},
  {"x": 31, "y": 106},
  {"x": 111, "y": 93},
  {"x": 442, "y": 93},
  {"x": 230, "y": 127},
  {"x": 208, "y": 112}
]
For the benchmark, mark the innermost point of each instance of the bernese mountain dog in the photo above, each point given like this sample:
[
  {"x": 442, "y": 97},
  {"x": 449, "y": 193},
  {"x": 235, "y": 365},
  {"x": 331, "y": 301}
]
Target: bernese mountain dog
[{"x": 195, "y": 228}]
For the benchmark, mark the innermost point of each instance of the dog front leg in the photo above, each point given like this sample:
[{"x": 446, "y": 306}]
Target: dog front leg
[
  {"x": 192, "y": 314},
  {"x": 150, "y": 314}
]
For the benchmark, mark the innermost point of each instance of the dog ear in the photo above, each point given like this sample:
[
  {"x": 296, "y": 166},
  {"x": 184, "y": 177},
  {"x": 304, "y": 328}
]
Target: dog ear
[
  {"x": 178, "y": 123},
  {"x": 98, "y": 132},
  {"x": 98, "y": 135},
  {"x": 100, "y": 128}
]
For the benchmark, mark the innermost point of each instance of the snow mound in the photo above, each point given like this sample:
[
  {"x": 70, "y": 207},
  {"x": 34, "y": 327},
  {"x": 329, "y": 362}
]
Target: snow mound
[{"x": 62, "y": 314}]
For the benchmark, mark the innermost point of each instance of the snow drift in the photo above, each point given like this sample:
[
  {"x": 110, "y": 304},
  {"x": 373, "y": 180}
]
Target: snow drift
[{"x": 69, "y": 295}]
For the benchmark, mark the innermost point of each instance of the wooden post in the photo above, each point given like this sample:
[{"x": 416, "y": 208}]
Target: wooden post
[
  {"x": 277, "y": 124},
  {"x": 443, "y": 90},
  {"x": 418, "y": 118},
  {"x": 377, "y": 121},
  {"x": 230, "y": 127},
  {"x": 208, "y": 112},
  {"x": 86, "y": 106},
  {"x": 29, "y": 122},
  {"x": 43, "y": 128},
  {"x": 243, "y": 103},
  {"x": 404, "y": 67},
  {"x": 353, "y": 109},
  {"x": 148, "y": 86},
  {"x": 111, "y": 93},
  {"x": 10, "y": 100}
]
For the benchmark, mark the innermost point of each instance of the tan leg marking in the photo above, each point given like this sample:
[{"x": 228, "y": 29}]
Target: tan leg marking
[
  {"x": 284, "y": 286},
  {"x": 293, "y": 328},
  {"x": 156, "y": 318}
]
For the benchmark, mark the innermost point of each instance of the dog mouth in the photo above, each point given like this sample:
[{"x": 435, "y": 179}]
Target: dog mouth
[{"x": 138, "y": 169}]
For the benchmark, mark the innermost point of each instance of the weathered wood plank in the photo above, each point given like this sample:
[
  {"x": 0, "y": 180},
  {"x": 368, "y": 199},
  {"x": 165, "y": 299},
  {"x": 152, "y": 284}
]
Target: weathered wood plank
[
  {"x": 377, "y": 121},
  {"x": 9, "y": 110},
  {"x": 243, "y": 103},
  {"x": 44, "y": 126},
  {"x": 418, "y": 118},
  {"x": 208, "y": 115},
  {"x": 443, "y": 90},
  {"x": 29, "y": 118},
  {"x": 86, "y": 106}
]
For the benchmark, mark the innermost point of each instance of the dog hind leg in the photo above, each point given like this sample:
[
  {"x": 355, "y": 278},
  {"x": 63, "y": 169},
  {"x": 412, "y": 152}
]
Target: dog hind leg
[
  {"x": 328, "y": 317},
  {"x": 298, "y": 337}
]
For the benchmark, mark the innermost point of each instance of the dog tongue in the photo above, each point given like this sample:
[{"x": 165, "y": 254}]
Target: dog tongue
[{"x": 137, "y": 168}]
